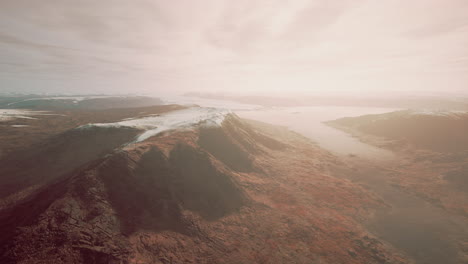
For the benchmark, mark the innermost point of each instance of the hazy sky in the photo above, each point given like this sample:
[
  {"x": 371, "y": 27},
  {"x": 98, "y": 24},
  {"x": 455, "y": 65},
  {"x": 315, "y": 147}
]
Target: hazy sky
[{"x": 255, "y": 46}]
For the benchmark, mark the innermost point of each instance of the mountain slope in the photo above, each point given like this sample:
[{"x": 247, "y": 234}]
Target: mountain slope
[
  {"x": 236, "y": 192},
  {"x": 58, "y": 155}
]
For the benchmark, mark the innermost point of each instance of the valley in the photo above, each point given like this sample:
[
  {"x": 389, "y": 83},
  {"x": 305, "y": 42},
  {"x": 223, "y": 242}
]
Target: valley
[{"x": 190, "y": 184}]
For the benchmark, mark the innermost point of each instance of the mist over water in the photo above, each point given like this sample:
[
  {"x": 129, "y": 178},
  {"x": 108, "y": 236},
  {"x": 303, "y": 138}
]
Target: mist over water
[{"x": 308, "y": 121}]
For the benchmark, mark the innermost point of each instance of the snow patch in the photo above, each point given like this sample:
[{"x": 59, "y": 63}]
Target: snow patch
[
  {"x": 10, "y": 114},
  {"x": 175, "y": 120}
]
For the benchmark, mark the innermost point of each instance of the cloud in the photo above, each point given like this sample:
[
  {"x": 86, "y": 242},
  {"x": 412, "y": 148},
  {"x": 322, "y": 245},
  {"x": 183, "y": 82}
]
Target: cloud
[
  {"x": 443, "y": 27},
  {"x": 247, "y": 45}
]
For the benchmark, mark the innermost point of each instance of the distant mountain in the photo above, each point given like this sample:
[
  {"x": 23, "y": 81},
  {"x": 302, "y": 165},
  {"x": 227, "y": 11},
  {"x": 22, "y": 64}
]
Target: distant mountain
[
  {"x": 77, "y": 102},
  {"x": 443, "y": 131}
]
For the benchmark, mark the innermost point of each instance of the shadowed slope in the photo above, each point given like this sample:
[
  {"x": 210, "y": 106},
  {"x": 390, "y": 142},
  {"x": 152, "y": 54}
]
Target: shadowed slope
[{"x": 59, "y": 155}]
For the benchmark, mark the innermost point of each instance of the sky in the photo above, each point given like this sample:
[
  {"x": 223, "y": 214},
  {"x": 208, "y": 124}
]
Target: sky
[{"x": 236, "y": 47}]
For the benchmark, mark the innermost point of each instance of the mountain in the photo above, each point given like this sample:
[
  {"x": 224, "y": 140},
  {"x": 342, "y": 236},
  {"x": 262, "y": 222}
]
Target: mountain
[
  {"x": 204, "y": 187},
  {"x": 441, "y": 131}
]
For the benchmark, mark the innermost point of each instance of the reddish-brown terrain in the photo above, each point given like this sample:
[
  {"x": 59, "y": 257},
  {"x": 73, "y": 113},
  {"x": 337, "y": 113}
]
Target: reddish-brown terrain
[{"x": 243, "y": 192}]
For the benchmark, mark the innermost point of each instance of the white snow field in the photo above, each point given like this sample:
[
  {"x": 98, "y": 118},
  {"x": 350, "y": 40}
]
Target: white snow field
[{"x": 175, "y": 120}]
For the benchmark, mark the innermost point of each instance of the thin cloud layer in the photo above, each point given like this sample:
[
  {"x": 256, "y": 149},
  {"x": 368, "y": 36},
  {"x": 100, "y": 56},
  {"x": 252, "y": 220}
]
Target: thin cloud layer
[{"x": 262, "y": 46}]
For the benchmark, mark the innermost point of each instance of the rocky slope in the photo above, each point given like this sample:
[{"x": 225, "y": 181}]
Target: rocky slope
[{"x": 237, "y": 192}]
